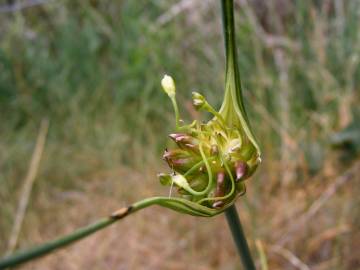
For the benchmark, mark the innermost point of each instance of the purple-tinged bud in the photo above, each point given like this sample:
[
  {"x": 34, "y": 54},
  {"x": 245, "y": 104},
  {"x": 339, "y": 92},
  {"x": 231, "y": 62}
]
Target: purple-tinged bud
[
  {"x": 179, "y": 160},
  {"x": 176, "y": 136},
  {"x": 185, "y": 141},
  {"x": 181, "y": 138},
  {"x": 240, "y": 170},
  {"x": 218, "y": 204},
  {"x": 220, "y": 189},
  {"x": 175, "y": 154},
  {"x": 191, "y": 146}
]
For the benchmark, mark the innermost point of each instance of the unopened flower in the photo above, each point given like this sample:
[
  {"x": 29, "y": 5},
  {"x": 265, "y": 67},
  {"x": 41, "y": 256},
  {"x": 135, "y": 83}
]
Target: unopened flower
[
  {"x": 168, "y": 85},
  {"x": 198, "y": 100}
]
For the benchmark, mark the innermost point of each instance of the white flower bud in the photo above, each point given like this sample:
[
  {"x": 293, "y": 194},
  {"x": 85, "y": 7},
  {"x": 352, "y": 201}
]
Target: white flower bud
[{"x": 168, "y": 85}]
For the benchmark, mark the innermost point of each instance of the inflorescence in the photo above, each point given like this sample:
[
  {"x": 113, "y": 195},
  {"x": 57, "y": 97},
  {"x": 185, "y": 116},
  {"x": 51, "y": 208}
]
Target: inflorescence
[{"x": 212, "y": 159}]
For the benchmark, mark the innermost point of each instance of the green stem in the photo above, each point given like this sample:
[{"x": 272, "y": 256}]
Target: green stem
[
  {"x": 233, "y": 221},
  {"x": 233, "y": 78},
  {"x": 24, "y": 256},
  {"x": 177, "y": 204},
  {"x": 232, "y": 69},
  {"x": 176, "y": 111}
]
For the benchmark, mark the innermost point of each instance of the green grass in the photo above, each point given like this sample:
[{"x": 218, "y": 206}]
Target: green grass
[{"x": 94, "y": 69}]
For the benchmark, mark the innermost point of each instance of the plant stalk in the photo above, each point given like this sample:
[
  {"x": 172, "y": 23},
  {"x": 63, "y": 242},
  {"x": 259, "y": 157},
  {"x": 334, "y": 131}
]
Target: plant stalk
[
  {"x": 232, "y": 73},
  {"x": 238, "y": 235},
  {"x": 24, "y": 256},
  {"x": 177, "y": 204},
  {"x": 41, "y": 250}
]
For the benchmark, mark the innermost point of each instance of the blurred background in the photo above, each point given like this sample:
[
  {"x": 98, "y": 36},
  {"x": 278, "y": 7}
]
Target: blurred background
[{"x": 92, "y": 71}]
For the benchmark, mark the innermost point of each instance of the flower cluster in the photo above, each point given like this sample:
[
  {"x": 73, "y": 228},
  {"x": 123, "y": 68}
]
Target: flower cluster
[{"x": 211, "y": 160}]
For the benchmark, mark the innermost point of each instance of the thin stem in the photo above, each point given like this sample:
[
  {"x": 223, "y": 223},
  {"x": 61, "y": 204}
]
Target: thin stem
[
  {"x": 177, "y": 204},
  {"x": 197, "y": 166},
  {"x": 23, "y": 256},
  {"x": 26, "y": 255},
  {"x": 176, "y": 111},
  {"x": 233, "y": 78},
  {"x": 238, "y": 235}
]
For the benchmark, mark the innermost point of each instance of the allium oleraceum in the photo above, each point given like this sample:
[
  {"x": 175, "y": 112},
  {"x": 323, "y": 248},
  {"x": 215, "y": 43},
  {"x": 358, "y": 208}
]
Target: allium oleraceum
[
  {"x": 211, "y": 160},
  {"x": 209, "y": 165}
]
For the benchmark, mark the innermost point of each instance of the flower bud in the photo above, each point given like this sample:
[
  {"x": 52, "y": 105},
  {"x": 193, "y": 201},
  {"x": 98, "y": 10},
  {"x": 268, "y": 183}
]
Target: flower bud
[
  {"x": 240, "y": 170},
  {"x": 165, "y": 179},
  {"x": 179, "y": 160},
  {"x": 168, "y": 85},
  {"x": 218, "y": 204},
  {"x": 220, "y": 189},
  {"x": 198, "y": 100},
  {"x": 185, "y": 141}
]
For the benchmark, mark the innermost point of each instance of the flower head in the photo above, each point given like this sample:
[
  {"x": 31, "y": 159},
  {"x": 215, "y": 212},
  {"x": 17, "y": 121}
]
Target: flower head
[{"x": 212, "y": 159}]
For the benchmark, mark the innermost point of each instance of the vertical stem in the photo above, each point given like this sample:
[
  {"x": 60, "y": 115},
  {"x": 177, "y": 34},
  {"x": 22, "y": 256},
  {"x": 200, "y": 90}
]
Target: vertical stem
[
  {"x": 232, "y": 68},
  {"x": 232, "y": 216},
  {"x": 237, "y": 232}
]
